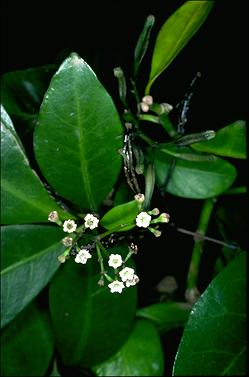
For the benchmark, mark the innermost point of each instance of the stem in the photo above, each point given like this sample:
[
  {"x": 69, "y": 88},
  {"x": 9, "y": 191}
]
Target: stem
[
  {"x": 236, "y": 190},
  {"x": 149, "y": 118},
  {"x": 206, "y": 238},
  {"x": 192, "y": 292},
  {"x": 100, "y": 258}
]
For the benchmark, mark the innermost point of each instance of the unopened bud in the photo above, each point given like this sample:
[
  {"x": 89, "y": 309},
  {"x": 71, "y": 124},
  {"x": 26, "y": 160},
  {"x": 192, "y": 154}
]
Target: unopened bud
[
  {"x": 147, "y": 100},
  {"x": 164, "y": 218},
  {"x": 154, "y": 212},
  {"x": 166, "y": 108},
  {"x": 139, "y": 198},
  {"x": 62, "y": 258},
  {"x": 156, "y": 232},
  {"x": 101, "y": 282},
  {"x": 144, "y": 107},
  {"x": 67, "y": 241},
  {"x": 53, "y": 216}
]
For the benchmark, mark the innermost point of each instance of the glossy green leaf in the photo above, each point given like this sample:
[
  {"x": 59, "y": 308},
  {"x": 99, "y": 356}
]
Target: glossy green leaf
[
  {"x": 195, "y": 180},
  {"x": 23, "y": 197},
  {"x": 175, "y": 33},
  {"x": 143, "y": 42},
  {"x": 22, "y": 91},
  {"x": 27, "y": 344},
  {"x": 230, "y": 141},
  {"x": 214, "y": 339},
  {"x": 78, "y": 135},
  {"x": 121, "y": 217},
  {"x": 95, "y": 322},
  {"x": 28, "y": 261},
  {"x": 185, "y": 153},
  {"x": 141, "y": 354},
  {"x": 166, "y": 315}
]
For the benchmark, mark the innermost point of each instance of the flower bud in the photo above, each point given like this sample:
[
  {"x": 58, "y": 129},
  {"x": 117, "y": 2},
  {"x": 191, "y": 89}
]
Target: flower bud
[
  {"x": 154, "y": 212},
  {"x": 53, "y": 216},
  {"x": 144, "y": 107},
  {"x": 148, "y": 100},
  {"x": 139, "y": 198}
]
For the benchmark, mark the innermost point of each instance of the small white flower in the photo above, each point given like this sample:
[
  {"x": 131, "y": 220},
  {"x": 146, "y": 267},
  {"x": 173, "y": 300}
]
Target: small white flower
[
  {"x": 69, "y": 226},
  {"x": 116, "y": 286},
  {"x": 91, "y": 221},
  {"x": 67, "y": 241},
  {"x": 115, "y": 260},
  {"x": 82, "y": 256},
  {"x": 53, "y": 216},
  {"x": 133, "y": 281},
  {"x": 143, "y": 220},
  {"x": 126, "y": 273}
]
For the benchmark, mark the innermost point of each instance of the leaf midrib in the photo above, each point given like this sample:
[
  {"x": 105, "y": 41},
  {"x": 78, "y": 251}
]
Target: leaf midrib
[{"x": 83, "y": 160}]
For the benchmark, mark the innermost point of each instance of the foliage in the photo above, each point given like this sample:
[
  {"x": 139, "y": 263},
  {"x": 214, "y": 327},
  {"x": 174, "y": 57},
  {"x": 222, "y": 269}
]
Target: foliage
[{"x": 71, "y": 163}]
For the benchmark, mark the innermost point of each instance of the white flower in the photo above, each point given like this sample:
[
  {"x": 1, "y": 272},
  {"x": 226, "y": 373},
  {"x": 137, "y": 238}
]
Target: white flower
[
  {"x": 143, "y": 220},
  {"x": 53, "y": 216},
  {"x": 69, "y": 226},
  {"x": 91, "y": 221},
  {"x": 82, "y": 256},
  {"x": 126, "y": 273},
  {"x": 115, "y": 260},
  {"x": 116, "y": 286},
  {"x": 133, "y": 281}
]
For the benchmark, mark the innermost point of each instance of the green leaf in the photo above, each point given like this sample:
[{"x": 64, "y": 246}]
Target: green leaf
[
  {"x": 175, "y": 34},
  {"x": 23, "y": 197},
  {"x": 78, "y": 135},
  {"x": 121, "y": 217},
  {"x": 143, "y": 42},
  {"x": 194, "y": 180},
  {"x": 166, "y": 316},
  {"x": 28, "y": 261},
  {"x": 141, "y": 354},
  {"x": 230, "y": 141},
  {"x": 27, "y": 344},
  {"x": 184, "y": 153},
  {"x": 95, "y": 322},
  {"x": 22, "y": 91},
  {"x": 214, "y": 339}
]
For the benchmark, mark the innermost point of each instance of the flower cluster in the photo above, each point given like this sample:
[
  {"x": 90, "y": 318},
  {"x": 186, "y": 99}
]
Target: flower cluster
[
  {"x": 144, "y": 220},
  {"x": 121, "y": 276},
  {"x": 70, "y": 226},
  {"x": 126, "y": 274}
]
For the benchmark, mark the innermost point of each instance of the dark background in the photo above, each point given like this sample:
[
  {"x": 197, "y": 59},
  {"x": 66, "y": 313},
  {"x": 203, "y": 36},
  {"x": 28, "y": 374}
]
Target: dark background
[{"x": 105, "y": 34}]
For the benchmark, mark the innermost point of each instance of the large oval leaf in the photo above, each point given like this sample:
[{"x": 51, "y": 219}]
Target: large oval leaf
[
  {"x": 230, "y": 141},
  {"x": 78, "y": 135},
  {"x": 175, "y": 33},
  {"x": 121, "y": 217},
  {"x": 141, "y": 354},
  {"x": 28, "y": 261},
  {"x": 166, "y": 315},
  {"x": 214, "y": 339},
  {"x": 195, "y": 180},
  {"x": 95, "y": 322},
  {"x": 27, "y": 344},
  {"x": 23, "y": 197}
]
